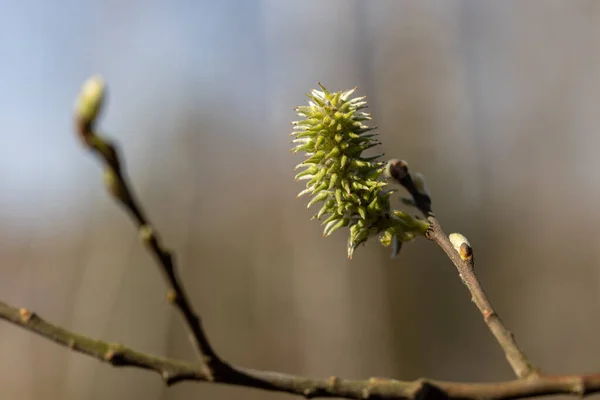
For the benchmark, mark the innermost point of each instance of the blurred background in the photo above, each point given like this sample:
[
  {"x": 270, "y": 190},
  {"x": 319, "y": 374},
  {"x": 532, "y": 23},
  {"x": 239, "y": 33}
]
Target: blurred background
[{"x": 495, "y": 102}]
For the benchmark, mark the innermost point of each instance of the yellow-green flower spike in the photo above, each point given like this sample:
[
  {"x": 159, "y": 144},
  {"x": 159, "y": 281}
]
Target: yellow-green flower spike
[{"x": 350, "y": 186}]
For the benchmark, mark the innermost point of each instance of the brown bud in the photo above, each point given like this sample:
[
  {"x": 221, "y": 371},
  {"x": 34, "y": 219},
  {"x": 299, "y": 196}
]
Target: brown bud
[
  {"x": 397, "y": 169},
  {"x": 465, "y": 251}
]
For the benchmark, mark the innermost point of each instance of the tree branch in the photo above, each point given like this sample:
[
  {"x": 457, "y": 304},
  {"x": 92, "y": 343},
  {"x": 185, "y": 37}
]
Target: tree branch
[
  {"x": 465, "y": 266},
  {"x": 172, "y": 372},
  {"x": 462, "y": 258},
  {"x": 114, "y": 354},
  {"x": 88, "y": 107}
]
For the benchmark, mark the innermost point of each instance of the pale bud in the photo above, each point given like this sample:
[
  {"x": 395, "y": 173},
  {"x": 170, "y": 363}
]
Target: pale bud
[
  {"x": 90, "y": 100},
  {"x": 461, "y": 245}
]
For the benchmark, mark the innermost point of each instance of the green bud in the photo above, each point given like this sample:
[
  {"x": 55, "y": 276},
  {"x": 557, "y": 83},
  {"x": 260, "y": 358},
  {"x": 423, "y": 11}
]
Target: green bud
[
  {"x": 333, "y": 180},
  {"x": 309, "y": 171},
  {"x": 334, "y": 226},
  {"x": 327, "y": 208},
  {"x": 320, "y": 197},
  {"x": 90, "y": 100}
]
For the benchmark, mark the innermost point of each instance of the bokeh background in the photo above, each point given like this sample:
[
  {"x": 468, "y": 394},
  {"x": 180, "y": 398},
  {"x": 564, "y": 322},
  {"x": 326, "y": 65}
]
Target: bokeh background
[{"x": 497, "y": 103}]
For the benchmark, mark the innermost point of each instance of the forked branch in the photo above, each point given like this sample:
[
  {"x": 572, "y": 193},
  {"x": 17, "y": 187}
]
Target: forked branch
[
  {"x": 530, "y": 382},
  {"x": 172, "y": 372}
]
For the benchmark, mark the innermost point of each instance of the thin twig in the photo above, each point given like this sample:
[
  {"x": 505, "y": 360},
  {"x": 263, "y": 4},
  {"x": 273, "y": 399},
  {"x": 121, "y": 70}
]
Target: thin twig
[
  {"x": 515, "y": 356},
  {"x": 172, "y": 372},
  {"x": 465, "y": 265},
  {"x": 117, "y": 184}
]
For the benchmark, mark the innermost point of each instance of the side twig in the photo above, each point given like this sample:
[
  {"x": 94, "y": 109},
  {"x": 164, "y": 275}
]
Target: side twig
[
  {"x": 87, "y": 110},
  {"x": 462, "y": 258},
  {"x": 464, "y": 263},
  {"x": 172, "y": 372}
]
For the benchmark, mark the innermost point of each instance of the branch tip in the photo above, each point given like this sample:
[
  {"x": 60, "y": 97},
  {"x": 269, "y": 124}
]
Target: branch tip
[{"x": 89, "y": 102}]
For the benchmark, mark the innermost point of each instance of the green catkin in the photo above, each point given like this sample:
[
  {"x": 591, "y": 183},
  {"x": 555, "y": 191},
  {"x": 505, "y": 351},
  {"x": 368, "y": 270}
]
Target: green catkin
[{"x": 348, "y": 185}]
